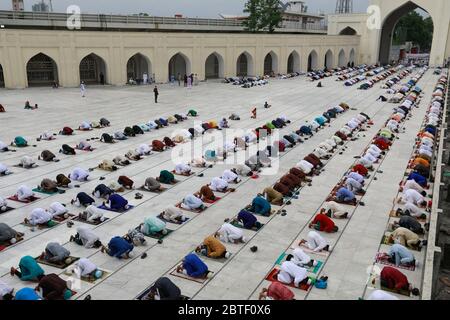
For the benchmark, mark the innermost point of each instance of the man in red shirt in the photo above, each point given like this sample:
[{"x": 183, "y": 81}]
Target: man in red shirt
[
  {"x": 381, "y": 143},
  {"x": 361, "y": 170},
  {"x": 393, "y": 279},
  {"x": 323, "y": 223},
  {"x": 276, "y": 291},
  {"x": 158, "y": 146}
]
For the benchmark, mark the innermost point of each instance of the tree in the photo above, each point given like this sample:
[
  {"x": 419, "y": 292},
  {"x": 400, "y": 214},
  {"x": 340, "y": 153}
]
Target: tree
[
  {"x": 415, "y": 28},
  {"x": 252, "y": 22},
  {"x": 263, "y": 15}
]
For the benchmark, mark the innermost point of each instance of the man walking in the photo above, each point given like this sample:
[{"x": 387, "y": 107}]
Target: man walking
[{"x": 155, "y": 91}]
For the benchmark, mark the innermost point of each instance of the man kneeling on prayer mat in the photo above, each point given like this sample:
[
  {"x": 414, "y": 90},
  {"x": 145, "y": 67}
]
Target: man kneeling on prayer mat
[
  {"x": 213, "y": 248},
  {"x": 231, "y": 176},
  {"x": 164, "y": 289},
  {"x": 136, "y": 237},
  {"x": 58, "y": 209},
  {"x": 183, "y": 169},
  {"x": 56, "y": 253},
  {"x": 9, "y": 235},
  {"x": 158, "y": 146},
  {"x": 206, "y": 194},
  {"x": 230, "y": 233},
  {"x": 153, "y": 226},
  {"x": 406, "y": 237},
  {"x": 393, "y": 279},
  {"x": 193, "y": 266},
  {"x": 118, "y": 247},
  {"x": 261, "y": 206},
  {"x": 102, "y": 191},
  {"x": 410, "y": 223},
  {"x": 166, "y": 177},
  {"x": 82, "y": 199},
  {"x": 343, "y": 195},
  {"x": 85, "y": 146},
  {"x": 84, "y": 268},
  {"x": 92, "y": 214},
  {"x": 3, "y": 204},
  {"x": 27, "y": 162},
  {"x": 290, "y": 272},
  {"x": 6, "y": 292},
  {"x": 79, "y": 174},
  {"x": 108, "y": 165},
  {"x": 173, "y": 214},
  {"x": 400, "y": 255},
  {"x": 24, "y": 193},
  {"x": 48, "y": 185},
  {"x": 121, "y": 161},
  {"x": 152, "y": 184},
  {"x": 315, "y": 242},
  {"x": 192, "y": 202},
  {"x": 85, "y": 126},
  {"x": 322, "y": 222},
  {"x": 4, "y": 170},
  {"x": 248, "y": 220},
  {"x": 116, "y": 202},
  {"x": 218, "y": 184},
  {"x": 273, "y": 196},
  {"x": 86, "y": 237},
  {"x": 40, "y": 217},
  {"x": 300, "y": 258},
  {"x": 334, "y": 210},
  {"x": 198, "y": 162},
  {"x": 63, "y": 181},
  {"x": 29, "y": 270},
  {"x": 276, "y": 291}
]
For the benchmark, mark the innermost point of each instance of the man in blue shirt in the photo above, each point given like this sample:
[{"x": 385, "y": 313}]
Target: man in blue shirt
[{"x": 118, "y": 247}]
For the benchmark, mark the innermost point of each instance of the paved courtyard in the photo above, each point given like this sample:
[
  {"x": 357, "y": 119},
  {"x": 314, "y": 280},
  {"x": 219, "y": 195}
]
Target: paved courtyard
[{"x": 243, "y": 275}]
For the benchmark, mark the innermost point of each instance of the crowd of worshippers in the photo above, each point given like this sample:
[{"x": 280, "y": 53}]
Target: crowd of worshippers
[
  {"x": 406, "y": 233},
  {"x": 364, "y": 73},
  {"x": 383, "y": 74},
  {"x": 351, "y": 73}
]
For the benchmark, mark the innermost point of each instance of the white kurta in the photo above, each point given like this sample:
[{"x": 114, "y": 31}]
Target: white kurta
[
  {"x": 5, "y": 289},
  {"x": 79, "y": 174},
  {"x": 56, "y": 209},
  {"x": 315, "y": 241},
  {"x": 144, "y": 149},
  {"x": 229, "y": 176},
  {"x": 84, "y": 267},
  {"x": 182, "y": 168},
  {"x": 218, "y": 184},
  {"x": 412, "y": 196},
  {"x": 230, "y": 233},
  {"x": 24, "y": 192},
  {"x": 381, "y": 295},
  {"x": 39, "y": 216},
  {"x": 289, "y": 272},
  {"x": 94, "y": 213},
  {"x": 87, "y": 236},
  {"x": 300, "y": 257}
]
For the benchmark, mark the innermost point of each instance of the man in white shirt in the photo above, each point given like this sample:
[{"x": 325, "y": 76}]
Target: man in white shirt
[
  {"x": 6, "y": 291},
  {"x": 79, "y": 174},
  {"x": 183, "y": 169},
  {"x": 230, "y": 233},
  {"x": 4, "y": 170},
  {"x": 230, "y": 176},
  {"x": 57, "y": 209},
  {"x": 335, "y": 210},
  {"x": 381, "y": 295},
  {"x": 144, "y": 150},
  {"x": 27, "y": 162},
  {"x": 172, "y": 213},
  {"x": 24, "y": 193},
  {"x": 413, "y": 197},
  {"x": 38, "y": 217},
  {"x": 300, "y": 258},
  {"x": 218, "y": 184},
  {"x": 315, "y": 242},
  {"x": 290, "y": 272},
  {"x": 86, "y": 237}
]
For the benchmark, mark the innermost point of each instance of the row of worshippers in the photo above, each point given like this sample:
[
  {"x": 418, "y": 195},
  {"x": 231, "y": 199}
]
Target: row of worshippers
[{"x": 377, "y": 77}]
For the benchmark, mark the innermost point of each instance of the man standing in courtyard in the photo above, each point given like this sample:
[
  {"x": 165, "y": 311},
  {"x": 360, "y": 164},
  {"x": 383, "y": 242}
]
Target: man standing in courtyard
[{"x": 155, "y": 91}]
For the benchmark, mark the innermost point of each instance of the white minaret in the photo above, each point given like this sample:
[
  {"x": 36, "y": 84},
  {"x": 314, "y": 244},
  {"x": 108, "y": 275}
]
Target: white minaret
[{"x": 17, "y": 5}]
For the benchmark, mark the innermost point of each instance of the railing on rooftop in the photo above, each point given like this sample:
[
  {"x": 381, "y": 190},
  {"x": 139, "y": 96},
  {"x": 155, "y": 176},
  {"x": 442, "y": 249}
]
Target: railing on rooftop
[{"x": 134, "y": 20}]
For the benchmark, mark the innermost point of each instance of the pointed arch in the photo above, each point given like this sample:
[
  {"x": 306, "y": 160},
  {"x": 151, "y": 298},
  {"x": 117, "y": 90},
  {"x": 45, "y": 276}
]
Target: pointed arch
[
  {"x": 271, "y": 64},
  {"x": 244, "y": 65},
  {"x": 93, "y": 70},
  {"x": 41, "y": 70},
  {"x": 214, "y": 66},
  {"x": 313, "y": 61},
  {"x": 351, "y": 57},
  {"x": 329, "y": 59},
  {"x": 293, "y": 62},
  {"x": 180, "y": 64},
  {"x": 139, "y": 67},
  {"x": 342, "y": 60},
  {"x": 348, "y": 31}
]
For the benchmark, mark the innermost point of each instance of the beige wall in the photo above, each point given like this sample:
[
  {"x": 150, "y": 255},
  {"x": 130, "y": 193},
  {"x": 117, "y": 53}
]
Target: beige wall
[{"x": 67, "y": 49}]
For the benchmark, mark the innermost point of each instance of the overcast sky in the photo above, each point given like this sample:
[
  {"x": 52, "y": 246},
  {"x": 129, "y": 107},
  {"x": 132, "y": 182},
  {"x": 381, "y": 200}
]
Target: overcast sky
[{"x": 189, "y": 8}]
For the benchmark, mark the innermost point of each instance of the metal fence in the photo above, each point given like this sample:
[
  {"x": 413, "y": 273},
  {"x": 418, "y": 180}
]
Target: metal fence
[{"x": 26, "y": 16}]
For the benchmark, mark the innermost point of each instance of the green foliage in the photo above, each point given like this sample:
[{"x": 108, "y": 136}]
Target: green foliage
[
  {"x": 263, "y": 15},
  {"x": 415, "y": 28}
]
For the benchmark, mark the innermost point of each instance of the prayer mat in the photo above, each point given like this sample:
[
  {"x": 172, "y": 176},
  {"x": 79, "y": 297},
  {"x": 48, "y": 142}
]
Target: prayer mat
[
  {"x": 182, "y": 275},
  {"x": 402, "y": 292},
  {"x": 4, "y": 245},
  {"x": 60, "y": 218},
  {"x": 193, "y": 210},
  {"x": 96, "y": 222},
  {"x": 226, "y": 191},
  {"x": 39, "y": 190},
  {"x": 61, "y": 265},
  {"x": 146, "y": 190},
  {"x": 380, "y": 258},
  {"x": 28, "y": 200},
  {"x": 160, "y": 216},
  {"x": 220, "y": 260},
  {"x": 76, "y": 148},
  {"x": 183, "y": 175},
  {"x": 48, "y": 225},
  {"x": 308, "y": 250},
  {"x": 28, "y": 168},
  {"x": 310, "y": 269},
  {"x": 7, "y": 209},
  {"x": 157, "y": 236},
  {"x": 105, "y": 275},
  {"x": 83, "y": 129},
  {"x": 240, "y": 226},
  {"x": 212, "y": 201},
  {"x": 145, "y": 293},
  {"x": 118, "y": 211},
  {"x": 273, "y": 278}
]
